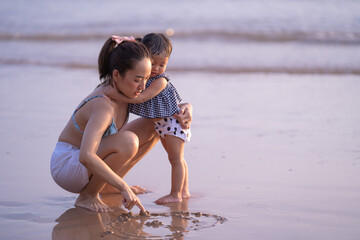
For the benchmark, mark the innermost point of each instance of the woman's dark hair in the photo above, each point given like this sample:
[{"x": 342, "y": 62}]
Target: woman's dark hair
[
  {"x": 122, "y": 57},
  {"x": 157, "y": 44}
]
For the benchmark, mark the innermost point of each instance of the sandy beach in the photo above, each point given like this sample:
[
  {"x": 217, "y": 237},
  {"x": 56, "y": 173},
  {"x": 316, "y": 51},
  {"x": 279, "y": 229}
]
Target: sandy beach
[
  {"x": 275, "y": 148},
  {"x": 276, "y": 155}
]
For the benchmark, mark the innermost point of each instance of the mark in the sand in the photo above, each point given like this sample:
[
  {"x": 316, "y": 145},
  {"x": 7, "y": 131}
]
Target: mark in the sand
[
  {"x": 31, "y": 217},
  {"x": 171, "y": 225},
  {"x": 11, "y": 204}
]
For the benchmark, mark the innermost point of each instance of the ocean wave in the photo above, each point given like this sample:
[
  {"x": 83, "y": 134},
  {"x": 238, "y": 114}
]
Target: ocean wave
[
  {"x": 205, "y": 69},
  {"x": 277, "y": 36},
  {"x": 318, "y": 37}
]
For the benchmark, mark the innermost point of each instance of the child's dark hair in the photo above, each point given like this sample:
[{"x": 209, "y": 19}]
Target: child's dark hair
[
  {"x": 122, "y": 58},
  {"x": 157, "y": 44}
]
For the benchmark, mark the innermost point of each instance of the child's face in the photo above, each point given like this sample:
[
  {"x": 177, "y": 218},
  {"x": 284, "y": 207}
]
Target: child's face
[{"x": 158, "y": 64}]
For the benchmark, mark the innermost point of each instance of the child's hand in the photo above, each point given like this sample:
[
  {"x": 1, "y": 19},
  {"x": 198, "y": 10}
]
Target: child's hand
[{"x": 113, "y": 93}]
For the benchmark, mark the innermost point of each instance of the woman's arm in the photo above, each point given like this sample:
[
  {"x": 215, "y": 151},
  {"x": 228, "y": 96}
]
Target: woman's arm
[
  {"x": 154, "y": 89},
  {"x": 100, "y": 118}
]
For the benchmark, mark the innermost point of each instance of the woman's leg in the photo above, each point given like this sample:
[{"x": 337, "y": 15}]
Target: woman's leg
[
  {"x": 116, "y": 151},
  {"x": 144, "y": 130}
]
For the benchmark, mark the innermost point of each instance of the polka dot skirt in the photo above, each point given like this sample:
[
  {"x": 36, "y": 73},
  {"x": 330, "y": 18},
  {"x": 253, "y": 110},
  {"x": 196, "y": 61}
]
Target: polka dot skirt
[{"x": 172, "y": 127}]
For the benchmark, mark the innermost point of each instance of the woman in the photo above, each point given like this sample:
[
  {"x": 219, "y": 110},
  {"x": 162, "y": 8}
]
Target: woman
[{"x": 97, "y": 147}]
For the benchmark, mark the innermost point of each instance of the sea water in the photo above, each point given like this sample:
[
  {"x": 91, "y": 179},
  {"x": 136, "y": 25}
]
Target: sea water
[{"x": 237, "y": 36}]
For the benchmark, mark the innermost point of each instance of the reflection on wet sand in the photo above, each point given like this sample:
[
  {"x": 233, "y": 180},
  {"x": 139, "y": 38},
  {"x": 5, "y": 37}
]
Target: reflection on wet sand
[
  {"x": 179, "y": 224},
  {"x": 78, "y": 223}
]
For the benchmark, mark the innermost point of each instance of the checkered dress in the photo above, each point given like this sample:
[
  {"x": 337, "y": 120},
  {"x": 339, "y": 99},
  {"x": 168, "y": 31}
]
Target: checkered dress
[{"x": 165, "y": 104}]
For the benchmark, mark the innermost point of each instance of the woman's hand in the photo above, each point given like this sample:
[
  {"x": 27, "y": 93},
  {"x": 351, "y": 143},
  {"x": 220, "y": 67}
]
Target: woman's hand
[
  {"x": 185, "y": 115},
  {"x": 131, "y": 200}
]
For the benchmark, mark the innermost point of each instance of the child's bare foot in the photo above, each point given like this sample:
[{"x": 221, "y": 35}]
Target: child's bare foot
[
  {"x": 185, "y": 194},
  {"x": 91, "y": 203},
  {"x": 168, "y": 199}
]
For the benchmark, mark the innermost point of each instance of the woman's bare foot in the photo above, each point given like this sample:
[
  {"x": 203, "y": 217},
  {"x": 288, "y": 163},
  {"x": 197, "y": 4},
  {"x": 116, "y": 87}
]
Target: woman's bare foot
[
  {"x": 138, "y": 190},
  {"x": 110, "y": 189},
  {"x": 168, "y": 199},
  {"x": 92, "y": 203}
]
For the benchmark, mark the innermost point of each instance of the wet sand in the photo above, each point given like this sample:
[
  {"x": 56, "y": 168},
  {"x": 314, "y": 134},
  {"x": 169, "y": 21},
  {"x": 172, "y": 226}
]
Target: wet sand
[{"x": 277, "y": 155}]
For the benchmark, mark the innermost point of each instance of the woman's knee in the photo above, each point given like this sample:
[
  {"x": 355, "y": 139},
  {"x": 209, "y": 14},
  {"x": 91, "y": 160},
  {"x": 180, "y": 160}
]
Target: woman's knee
[{"x": 127, "y": 144}]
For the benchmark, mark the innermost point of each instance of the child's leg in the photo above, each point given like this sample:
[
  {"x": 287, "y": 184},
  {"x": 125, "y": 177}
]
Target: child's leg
[
  {"x": 185, "y": 193},
  {"x": 185, "y": 189},
  {"x": 175, "y": 149}
]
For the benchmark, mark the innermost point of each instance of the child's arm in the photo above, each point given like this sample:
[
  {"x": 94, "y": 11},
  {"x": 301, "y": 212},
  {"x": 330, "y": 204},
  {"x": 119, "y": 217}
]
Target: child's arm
[
  {"x": 154, "y": 89},
  {"x": 113, "y": 93}
]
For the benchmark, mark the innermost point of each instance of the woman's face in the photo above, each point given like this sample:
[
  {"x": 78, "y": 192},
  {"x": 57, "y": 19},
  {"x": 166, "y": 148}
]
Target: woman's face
[{"x": 133, "y": 83}]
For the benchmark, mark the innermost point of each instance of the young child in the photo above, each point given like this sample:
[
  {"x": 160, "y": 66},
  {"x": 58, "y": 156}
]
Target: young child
[{"x": 160, "y": 101}]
